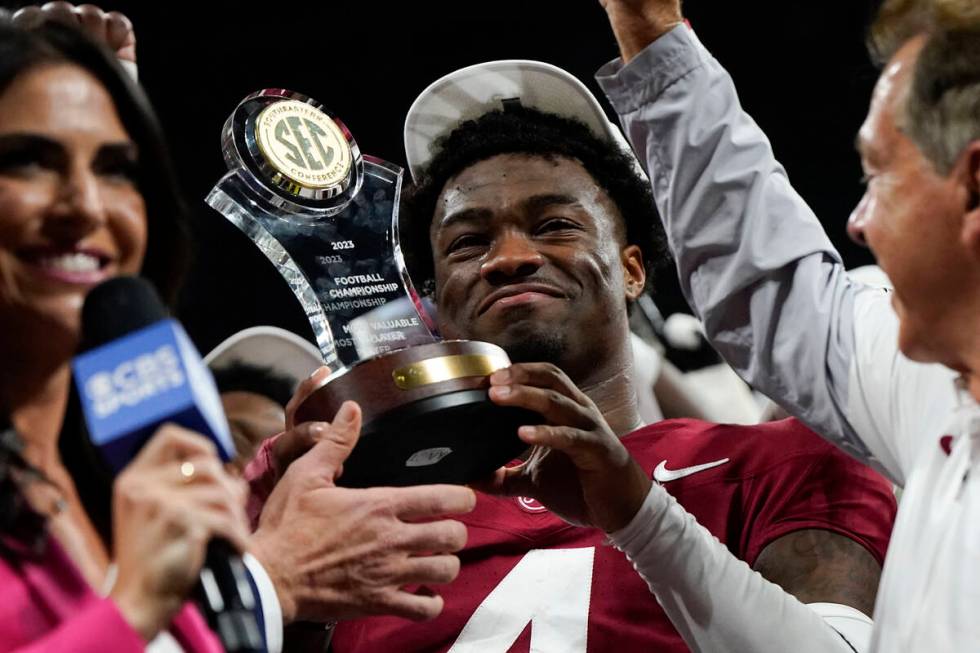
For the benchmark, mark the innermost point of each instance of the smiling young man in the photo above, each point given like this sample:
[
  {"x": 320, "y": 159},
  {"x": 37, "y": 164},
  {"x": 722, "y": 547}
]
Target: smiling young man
[
  {"x": 535, "y": 231},
  {"x": 855, "y": 362}
]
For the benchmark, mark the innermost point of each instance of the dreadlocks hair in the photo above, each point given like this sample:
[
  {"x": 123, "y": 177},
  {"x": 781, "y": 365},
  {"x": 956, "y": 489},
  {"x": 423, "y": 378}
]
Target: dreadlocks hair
[{"x": 522, "y": 130}]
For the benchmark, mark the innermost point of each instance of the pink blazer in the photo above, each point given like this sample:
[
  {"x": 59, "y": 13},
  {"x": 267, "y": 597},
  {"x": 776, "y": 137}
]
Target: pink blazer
[{"x": 47, "y": 607}]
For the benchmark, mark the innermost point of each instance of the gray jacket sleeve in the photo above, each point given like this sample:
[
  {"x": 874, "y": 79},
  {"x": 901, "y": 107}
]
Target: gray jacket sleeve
[{"x": 755, "y": 263}]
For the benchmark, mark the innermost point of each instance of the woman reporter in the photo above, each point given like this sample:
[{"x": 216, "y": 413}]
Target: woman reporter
[{"x": 86, "y": 193}]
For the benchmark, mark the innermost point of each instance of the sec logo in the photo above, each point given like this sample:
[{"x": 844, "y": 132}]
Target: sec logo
[{"x": 303, "y": 144}]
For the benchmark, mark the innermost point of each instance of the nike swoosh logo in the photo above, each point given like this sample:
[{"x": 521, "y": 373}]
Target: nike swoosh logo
[{"x": 661, "y": 474}]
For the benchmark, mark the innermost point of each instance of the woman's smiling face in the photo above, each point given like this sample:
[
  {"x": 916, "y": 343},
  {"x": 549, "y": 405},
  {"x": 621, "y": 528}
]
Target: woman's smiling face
[{"x": 71, "y": 214}]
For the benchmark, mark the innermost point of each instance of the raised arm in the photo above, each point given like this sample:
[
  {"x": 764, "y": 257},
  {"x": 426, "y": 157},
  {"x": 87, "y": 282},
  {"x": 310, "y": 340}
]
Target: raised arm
[{"x": 754, "y": 261}]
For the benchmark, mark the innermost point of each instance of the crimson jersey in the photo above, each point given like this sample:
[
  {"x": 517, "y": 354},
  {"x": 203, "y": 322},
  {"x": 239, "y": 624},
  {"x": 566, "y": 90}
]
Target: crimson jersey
[{"x": 529, "y": 581}]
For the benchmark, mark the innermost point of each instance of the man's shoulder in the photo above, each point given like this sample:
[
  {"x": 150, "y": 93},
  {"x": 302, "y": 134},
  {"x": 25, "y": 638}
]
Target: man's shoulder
[{"x": 748, "y": 485}]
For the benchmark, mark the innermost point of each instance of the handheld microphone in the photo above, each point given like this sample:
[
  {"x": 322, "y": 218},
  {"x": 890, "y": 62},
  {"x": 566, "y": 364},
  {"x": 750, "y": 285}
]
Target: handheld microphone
[{"x": 138, "y": 370}]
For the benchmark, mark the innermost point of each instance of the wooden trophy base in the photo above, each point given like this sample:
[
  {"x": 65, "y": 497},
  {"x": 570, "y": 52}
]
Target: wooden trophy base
[{"x": 427, "y": 416}]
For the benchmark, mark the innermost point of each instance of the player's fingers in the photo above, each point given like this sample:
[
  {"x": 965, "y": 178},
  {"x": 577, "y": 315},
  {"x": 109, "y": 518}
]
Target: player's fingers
[
  {"x": 555, "y": 407},
  {"x": 541, "y": 375},
  {"x": 307, "y": 387}
]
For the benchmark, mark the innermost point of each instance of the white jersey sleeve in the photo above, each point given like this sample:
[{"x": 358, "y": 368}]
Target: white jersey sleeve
[{"x": 757, "y": 267}]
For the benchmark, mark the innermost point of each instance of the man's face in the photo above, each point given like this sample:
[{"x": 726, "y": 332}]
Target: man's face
[
  {"x": 529, "y": 255},
  {"x": 910, "y": 217}
]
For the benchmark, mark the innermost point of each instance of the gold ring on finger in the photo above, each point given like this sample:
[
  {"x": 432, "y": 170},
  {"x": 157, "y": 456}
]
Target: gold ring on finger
[{"x": 187, "y": 471}]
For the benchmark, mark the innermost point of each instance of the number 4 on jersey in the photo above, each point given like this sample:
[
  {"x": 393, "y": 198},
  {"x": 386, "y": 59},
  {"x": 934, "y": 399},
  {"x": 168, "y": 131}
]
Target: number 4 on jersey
[{"x": 551, "y": 590}]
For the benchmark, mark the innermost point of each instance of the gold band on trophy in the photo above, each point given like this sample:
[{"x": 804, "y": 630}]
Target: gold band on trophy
[{"x": 447, "y": 368}]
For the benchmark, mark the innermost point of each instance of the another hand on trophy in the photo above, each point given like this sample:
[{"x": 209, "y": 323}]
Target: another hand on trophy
[
  {"x": 299, "y": 438},
  {"x": 336, "y": 553},
  {"x": 578, "y": 468},
  {"x": 112, "y": 28},
  {"x": 638, "y": 23}
]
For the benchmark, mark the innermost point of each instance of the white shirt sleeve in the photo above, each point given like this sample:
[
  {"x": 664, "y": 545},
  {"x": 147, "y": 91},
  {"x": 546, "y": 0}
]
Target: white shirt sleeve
[
  {"x": 269, "y": 600},
  {"x": 894, "y": 403}
]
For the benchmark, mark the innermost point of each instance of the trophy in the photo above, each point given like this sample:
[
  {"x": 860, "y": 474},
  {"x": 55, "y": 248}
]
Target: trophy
[{"x": 327, "y": 217}]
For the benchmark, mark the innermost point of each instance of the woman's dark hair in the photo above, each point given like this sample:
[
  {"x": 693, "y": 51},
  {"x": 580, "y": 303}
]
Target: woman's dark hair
[
  {"x": 53, "y": 43},
  {"x": 522, "y": 130},
  {"x": 21, "y": 528}
]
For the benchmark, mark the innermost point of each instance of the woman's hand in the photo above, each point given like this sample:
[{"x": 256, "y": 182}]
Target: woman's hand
[{"x": 167, "y": 504}]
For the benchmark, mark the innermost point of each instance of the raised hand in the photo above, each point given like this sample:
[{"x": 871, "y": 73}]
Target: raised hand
[
  {"x": 110, "y": 27},
  {"x": 638, "y": 23}
]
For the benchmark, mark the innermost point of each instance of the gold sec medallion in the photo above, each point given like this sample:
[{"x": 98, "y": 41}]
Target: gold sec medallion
[{"x": 303, "y": 144}]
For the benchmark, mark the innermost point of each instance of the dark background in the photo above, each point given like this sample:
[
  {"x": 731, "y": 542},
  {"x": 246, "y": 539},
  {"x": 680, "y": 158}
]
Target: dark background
[{"x": 800, "y": 67}]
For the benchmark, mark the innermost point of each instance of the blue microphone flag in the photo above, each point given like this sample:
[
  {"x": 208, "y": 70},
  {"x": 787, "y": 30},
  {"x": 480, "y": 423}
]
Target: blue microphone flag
[{"x": 132, "y": 385}]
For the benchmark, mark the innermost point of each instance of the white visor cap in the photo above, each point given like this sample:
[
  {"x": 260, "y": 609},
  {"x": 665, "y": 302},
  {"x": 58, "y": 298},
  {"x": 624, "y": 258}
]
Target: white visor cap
[
  {"x": 284, "y": 352},
  {"x": 468, "y": 93}
]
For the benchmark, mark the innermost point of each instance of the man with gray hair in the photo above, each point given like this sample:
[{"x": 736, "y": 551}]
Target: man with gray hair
[{"x": 857, "y": 363}]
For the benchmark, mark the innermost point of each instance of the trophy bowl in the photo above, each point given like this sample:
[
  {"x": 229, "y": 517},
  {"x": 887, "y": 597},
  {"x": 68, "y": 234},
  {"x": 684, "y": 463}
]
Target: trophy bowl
[{"x": 426, "y": 415}]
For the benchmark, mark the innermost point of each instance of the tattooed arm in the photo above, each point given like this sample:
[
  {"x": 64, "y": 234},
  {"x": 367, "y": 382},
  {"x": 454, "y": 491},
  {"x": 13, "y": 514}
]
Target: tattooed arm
[{"x": 818, "y": 566}]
